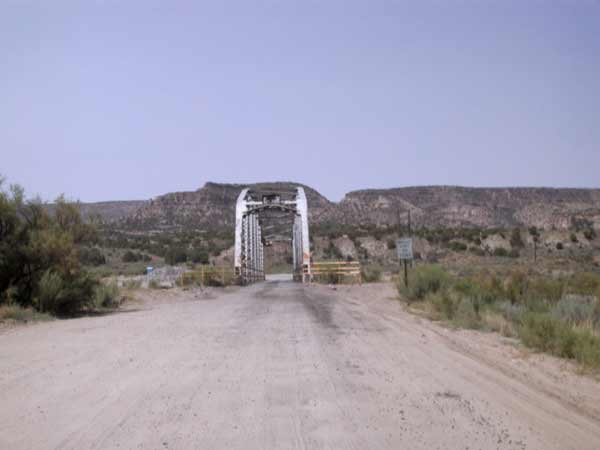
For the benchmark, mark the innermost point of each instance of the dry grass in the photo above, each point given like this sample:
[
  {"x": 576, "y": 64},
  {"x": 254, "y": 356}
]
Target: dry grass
[
  {"x": 14, "y": 313},
  {"x": 497, "y": 322}
]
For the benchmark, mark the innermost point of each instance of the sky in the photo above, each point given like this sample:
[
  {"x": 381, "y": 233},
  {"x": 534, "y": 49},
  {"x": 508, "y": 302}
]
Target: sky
[{"x": 117, "y": 100}]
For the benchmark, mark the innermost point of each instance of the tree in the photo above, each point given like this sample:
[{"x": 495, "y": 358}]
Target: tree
[
  {"x": 35, "y": 245},
  {"x": 198, "y": 256},
  {"x": 175, "y": 255}
]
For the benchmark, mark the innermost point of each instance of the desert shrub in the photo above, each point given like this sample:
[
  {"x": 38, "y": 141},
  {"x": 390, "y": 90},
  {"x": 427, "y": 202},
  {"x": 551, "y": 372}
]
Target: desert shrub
[
  {"x": 546, "y": 289},
  {"x": 559, "y": 246},
  {"x": 329, "y": 277},
  {"x": 371, "y": 273},
  {"x": 65, "y": 294},
  {"x": 91, "y": 256},
  {"x": 515, "y": 239},
  {"x": 153, "y": 284},
  {"x": 107, "y": 295},
  {"x": 584, "y": 283},
  {"x": 516, "y": 286},
  {"x": 540, "y": 331},
  {"x": 589, "y": 234},
  {"x": 129, "y": 257},
  {"x": 214, "y": 279},
  {"x": 175, "y": 255},
  {"x": 423, "y": 280},
  {"x": 587, "y": 348},
  {"x": 391, "y": 244},
  {"x": 332, "y": 252},
  {"x": 514, "y": 253},
  {"x": 510, "y": 311},
  {"x": 50, "y": 290},
  {"x": 477, "y": 251},
  {"x": 457, "y": 246},
  {"x": 495, "y": 321},
  {"x": 35, "y": 244},
  {"x": 467, "y": 313},
  {"x": 500, "y": 251},
  {"x": 576, "y": 309},
  {"x": 198, "y": 256},
  {"x": 20, "y": 314},
  {"x": 132, "y": 284},
  {"x": 573, "y": 238},
  {"x": 443, "y": 303},
  {"x": 546, "y": 333}
]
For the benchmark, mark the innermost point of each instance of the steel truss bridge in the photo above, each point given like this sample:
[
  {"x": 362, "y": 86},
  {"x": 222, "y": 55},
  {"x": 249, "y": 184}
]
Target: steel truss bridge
[{"x": 263, "y": 217}]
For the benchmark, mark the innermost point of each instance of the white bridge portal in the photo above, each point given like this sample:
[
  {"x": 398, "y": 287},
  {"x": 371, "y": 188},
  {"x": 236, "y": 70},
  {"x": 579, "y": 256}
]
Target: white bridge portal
[{"x": 262, "y": 217}]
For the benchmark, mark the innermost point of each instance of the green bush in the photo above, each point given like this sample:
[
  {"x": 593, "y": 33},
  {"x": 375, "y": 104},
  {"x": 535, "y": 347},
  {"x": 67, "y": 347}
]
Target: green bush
[
  {"x": 576, "y": 309},
  {"x": 36, "y": 244},
  {"x": 477, "y": 251},
  {"x": 198, "y": 256},
  {"x": 132, "y": 284},
  {"x": 391, "y": 244},
  {"x": 65, "y": 295},
  {"x": 589, "y": 234},
  {"x": 423, "y": 280},
  {"x": 175, "y": 255},
  {"x": 107, "y": 295},
  {"x": 467, "y": 313},
  {"x": 584, "y": 283},
  {"x": 130, "y": 257},
  {"x": 371, "y": 273},
  {"x": 551, "y": 335},
  {"x": 573, "y": 238},
  {"x": 50, "y": 290},
  {"x": 457, "y": 246},
  {"x": 443, "y": 303},
  {"x": 515, "y": 239},
  {"x": 19, "y": 314},
  {"x": 91, "y": 256},
  {"x": 540, "y": 331},
  {"x": 501, "y": 252}
]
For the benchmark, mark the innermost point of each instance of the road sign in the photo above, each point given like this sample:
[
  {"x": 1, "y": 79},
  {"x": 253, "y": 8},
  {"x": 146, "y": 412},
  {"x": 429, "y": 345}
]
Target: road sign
[{"x": 405, "y": 248}]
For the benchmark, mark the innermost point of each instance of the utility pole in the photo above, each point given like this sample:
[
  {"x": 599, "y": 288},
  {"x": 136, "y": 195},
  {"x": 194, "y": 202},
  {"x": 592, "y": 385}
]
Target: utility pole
[{"x": 405, "y": 261}]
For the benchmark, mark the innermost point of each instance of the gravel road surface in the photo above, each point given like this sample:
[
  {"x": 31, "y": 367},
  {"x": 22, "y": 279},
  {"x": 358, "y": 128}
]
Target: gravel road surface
[{"x": 278, "y": 365}]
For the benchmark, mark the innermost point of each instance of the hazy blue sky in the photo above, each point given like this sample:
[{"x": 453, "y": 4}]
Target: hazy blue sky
[{"x": 127, "y": 100}]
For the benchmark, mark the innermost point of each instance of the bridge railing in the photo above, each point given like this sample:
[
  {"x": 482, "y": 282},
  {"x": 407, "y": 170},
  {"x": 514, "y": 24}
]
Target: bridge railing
[
  {"x": 208, "y": 276},
  {"x": 335, "y": 272}
]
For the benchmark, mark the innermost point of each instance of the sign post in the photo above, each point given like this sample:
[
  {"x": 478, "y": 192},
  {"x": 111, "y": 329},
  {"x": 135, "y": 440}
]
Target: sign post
[{"x": 404, "y": 247}]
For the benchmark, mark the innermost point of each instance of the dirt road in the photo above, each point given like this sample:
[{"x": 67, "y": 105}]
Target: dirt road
[{"x": 282, "y": 366}]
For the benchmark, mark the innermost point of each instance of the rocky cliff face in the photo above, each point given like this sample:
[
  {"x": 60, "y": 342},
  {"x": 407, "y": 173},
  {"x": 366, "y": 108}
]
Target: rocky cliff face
[
  {"x": 213, "y": 206},
  {"x": 483, "y": 207}
]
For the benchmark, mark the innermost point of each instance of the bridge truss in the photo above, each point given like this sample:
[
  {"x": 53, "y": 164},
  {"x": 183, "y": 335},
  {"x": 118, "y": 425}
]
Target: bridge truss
[{"x": 262, "y": 217}]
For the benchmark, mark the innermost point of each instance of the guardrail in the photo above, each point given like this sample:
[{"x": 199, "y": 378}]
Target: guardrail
[
  {"x": 335, "y": 272},
  {"x": 208, "y": 276}
]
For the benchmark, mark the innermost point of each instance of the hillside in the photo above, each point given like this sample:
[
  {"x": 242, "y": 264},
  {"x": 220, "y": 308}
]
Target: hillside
[
  {"x": 213, "y": 206},
  {"x": 455, "y": 206}
]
